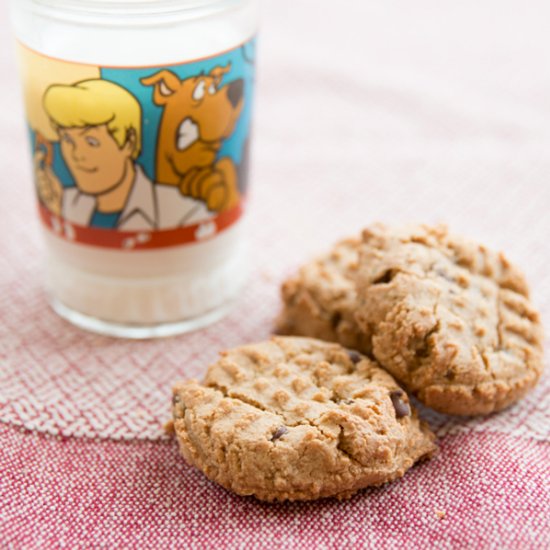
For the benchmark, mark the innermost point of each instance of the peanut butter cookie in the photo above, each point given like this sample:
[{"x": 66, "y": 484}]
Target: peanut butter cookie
[
  {"x": 321, "y": 299},
  {"x": 298, "y": 419},
  {"x": 448, "y": 318}
]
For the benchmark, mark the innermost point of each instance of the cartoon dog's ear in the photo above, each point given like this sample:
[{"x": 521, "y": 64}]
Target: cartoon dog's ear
[
  {"x": 165, "y": 82},
  {"x": 217, "y": 73}
]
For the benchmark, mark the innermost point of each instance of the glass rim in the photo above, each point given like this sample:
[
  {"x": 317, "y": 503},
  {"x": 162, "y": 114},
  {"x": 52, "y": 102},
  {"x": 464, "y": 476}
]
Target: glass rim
[
  {"x": 130, "y": 7},
  {"x": 125, "y": 13}
]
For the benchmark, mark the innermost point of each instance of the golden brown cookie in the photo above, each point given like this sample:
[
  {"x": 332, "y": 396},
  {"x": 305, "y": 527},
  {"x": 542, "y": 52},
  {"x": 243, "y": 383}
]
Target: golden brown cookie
[
  {"x": 320, "y": 300},
  {"x": 448, "y": 318},
  {"x": 298, "y": 419}
]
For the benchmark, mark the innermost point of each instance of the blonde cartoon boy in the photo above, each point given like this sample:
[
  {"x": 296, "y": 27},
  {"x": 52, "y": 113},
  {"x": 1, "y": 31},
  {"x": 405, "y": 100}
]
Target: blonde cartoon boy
[{"x": 99, "y": 127}]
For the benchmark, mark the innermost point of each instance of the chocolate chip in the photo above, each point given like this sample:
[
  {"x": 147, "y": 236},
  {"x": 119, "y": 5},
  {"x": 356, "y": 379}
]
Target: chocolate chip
[
  {"x": 450, "y": 375},
  {"x": 175, "y": 399},
  {"x": 401, "y": 407},
  {"x": 354, "y": 356},
  {"x": 335, "y": 319},
  {"x": 385, "y": 278},
  {"x": 347, "y": 401},
  {"x": 279, "y": 432}
]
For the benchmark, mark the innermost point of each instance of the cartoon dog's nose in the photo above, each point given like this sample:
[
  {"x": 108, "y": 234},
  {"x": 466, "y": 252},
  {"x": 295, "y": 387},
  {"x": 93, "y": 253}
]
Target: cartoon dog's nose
[{"x": 235, "y": 91}]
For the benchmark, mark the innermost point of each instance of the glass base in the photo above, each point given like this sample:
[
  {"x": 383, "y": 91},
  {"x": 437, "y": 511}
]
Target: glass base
[{"x": 139, "y": 332}]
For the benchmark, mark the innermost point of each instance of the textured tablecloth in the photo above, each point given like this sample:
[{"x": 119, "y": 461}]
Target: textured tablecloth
[{"x": 393, "y": 111}]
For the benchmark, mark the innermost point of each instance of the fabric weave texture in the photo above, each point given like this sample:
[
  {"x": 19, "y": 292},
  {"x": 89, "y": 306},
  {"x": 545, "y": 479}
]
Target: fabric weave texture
[{"x": 428, "y": 112}]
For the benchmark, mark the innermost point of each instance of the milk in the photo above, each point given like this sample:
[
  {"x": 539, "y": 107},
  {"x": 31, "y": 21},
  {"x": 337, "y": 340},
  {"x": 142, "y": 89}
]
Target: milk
[{"x": 155, "y": 270}]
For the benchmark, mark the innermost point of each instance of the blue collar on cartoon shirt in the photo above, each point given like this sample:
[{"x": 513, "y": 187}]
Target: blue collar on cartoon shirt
[{"x": 105, "y": 221}]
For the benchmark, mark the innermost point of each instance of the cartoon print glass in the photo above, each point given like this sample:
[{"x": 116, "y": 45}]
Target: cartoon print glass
[{"x": 140, "y": 158}]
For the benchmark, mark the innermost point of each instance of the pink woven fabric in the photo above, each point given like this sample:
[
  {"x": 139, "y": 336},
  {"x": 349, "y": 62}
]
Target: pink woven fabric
[
  {"x": 378, "y": 111},
  {"x": 71, "y": 493}
]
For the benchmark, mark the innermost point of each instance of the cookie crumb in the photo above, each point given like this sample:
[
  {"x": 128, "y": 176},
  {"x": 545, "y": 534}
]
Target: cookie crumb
[
  {"x": 439, "y": 514},
  {"x": 169, "y": 429}
]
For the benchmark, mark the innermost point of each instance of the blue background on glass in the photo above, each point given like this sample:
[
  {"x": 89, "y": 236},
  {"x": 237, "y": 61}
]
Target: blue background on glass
[{"x": 242, "y": 66}]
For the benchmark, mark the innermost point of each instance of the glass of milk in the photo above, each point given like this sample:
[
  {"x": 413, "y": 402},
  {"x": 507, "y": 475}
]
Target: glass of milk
[{"x": 139, "y": 113}]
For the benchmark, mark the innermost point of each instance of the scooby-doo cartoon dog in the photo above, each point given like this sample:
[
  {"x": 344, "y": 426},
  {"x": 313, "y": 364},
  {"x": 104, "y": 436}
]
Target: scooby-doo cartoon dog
[{"x": 198, "y": 114}]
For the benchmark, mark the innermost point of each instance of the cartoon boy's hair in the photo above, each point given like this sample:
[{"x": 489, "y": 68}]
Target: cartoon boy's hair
[{"x": 92, "y": 103}]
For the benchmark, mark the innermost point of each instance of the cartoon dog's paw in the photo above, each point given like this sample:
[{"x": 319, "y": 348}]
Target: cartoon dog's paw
[{"x": 216, "y": 196}]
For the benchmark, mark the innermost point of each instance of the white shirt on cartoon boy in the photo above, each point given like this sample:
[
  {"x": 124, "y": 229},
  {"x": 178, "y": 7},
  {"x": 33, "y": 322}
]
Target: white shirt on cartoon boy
[{"x": 149, "y": 206}]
